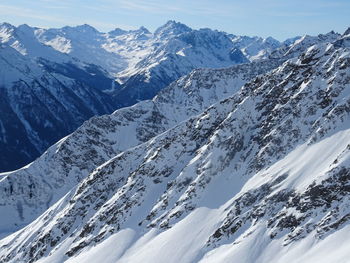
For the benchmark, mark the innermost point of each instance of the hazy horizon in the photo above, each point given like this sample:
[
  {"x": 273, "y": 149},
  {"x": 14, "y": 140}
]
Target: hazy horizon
[{"x": 253, "y": 17}]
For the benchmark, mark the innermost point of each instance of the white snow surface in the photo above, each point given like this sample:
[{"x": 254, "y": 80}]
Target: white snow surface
[
  {"x": 260, "y": 176},
  {"x": 70, "y": 160},
  {"x": 128, "y": 53}
]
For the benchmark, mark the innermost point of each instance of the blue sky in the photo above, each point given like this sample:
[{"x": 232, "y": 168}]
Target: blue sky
[{"x": 278, "y": 18}]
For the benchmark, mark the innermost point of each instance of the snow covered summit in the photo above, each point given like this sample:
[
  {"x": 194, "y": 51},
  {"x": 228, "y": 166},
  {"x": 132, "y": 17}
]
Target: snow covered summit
[{"x": 259, "y": 176}]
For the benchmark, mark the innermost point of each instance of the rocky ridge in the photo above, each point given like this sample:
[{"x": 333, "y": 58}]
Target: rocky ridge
[{"x": 247, "y": 170}]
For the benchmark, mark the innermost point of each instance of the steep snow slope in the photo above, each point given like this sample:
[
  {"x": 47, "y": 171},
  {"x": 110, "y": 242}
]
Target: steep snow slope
[
  {"x": 125, "y": 53},
  {"x": 85, "y": 62},
  {"x": 83, "y": 42},
  {"x": 256, "y": 48},
  {"x": 42, "y": 102},
  {"x": 299, "y": 46},
  {"x": 259, "y": 175},
  {"x": 143, "y": 62},
  {"x": 176, "y": 51},
  {"x": 28, "y": 192},
  {"x": 23, "y": 39},
  {"x": 147, "y": 62}
]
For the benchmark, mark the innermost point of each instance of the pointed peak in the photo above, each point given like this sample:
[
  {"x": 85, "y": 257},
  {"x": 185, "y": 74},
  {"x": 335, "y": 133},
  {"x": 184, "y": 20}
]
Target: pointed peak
[
  {"x": 290, "y": 41},
  {"x": 271, "y": 40},
  {"x": 347, "y": 32},
  {"x": 331, "y": 33},
  {"x": 143, "y": 30},
  {"x": 86, "y": 27},
  {"x": 172, "y": 28},
  {"x": 81, "y": 28},
  {"x": 6, "y": 27},
  {"x": 171, "y": 23},
  {"x": 25, "y": 28},
  {"x": 329, "y": 37},
  {"x": 117, "y": 32}
]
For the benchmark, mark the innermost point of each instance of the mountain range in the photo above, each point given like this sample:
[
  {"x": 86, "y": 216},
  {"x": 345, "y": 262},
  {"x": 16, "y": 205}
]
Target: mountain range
[
  {"x": 52, "y": 80},
  {"x": 248, "y": 163},
  {"x": 75, "y": 73}
]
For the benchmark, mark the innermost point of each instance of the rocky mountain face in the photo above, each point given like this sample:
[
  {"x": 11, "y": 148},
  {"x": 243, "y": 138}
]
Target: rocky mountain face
[
  {"x": 257, "y": 48},
  {"x": 69, "y": 161},
  {"x": 118, "y": 68},
  {"x": 172, "y": 51},
  {"x": 43, "y": 101},
  {"x": 54, "y": 79},
  {"x": 260, "y": 176},
  {"x": 177, "y": 51},
  {"x": 297, "y": 46},
  {"x": 146, "y": 62}
]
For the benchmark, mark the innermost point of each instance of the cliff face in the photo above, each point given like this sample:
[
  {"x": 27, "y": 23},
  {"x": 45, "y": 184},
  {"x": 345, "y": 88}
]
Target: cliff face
[
  {"x": 259, "y": 176},
  {"x": 62, "y": 166},
  {"x": 52, "y": 80}
]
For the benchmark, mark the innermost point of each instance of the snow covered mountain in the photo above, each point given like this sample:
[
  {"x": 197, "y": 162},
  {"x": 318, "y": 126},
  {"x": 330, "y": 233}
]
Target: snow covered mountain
[
  {"x": 40, "y": 102},
  {"x": 177, "y": 51},
  {"x": 256, "y": 48},
  {"x": 69, "y": 161},
  {"x": 261, "y": 176},
  {"x": 69, "y": 73},
  {"x": 299, "y": 45},
  {"x": 145, "y": 62}
]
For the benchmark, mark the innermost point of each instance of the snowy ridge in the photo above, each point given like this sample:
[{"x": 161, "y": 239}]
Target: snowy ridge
[
  {"x": 246, "y": 174},
  {"x": 42, "y": 102},
  {"x": 255, "y": 48},
  {"x": 75, "y": 70},
  {"x": 65, "y": 164},
  {"x": 301, "y": 44},
  {"x": 143, "y": 63},
  {"x": 174, "y": 50}
]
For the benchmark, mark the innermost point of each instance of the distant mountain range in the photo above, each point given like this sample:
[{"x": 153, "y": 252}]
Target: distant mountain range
[
  {"x": 52, "y": 80},
  {"x": 249, "y": 163}
]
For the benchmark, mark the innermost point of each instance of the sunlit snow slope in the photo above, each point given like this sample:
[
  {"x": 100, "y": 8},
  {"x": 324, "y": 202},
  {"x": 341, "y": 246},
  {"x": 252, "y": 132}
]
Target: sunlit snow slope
[
  {"x": 261, "y": 176},
  {"x": 51, "y": 80},
  {"x": 28, "y": 192}
]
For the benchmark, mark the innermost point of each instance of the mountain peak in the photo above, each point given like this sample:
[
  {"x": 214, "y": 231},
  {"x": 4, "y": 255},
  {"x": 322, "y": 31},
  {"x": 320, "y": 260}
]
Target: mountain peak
[
  {"x": 290, "y": 41},
  {"x": 172, "y": 28},
  {"x": 117, "y": 32},
  {"x": 194, "y": 178},
  {"x": 6, "y": 25},
  {"x": 143, "y": 30},
  {"x": 85, "y": 28},
  {"x": 330, "y": 36},
  {"x": 25, "y": 27},
  {"x": 6, "y": 29},
  {"x": 25, "y": 30},
  {"x": 271, "y": 40},
  {"x": 238, "y": 57},
  {"x": 347, "y": 32}
]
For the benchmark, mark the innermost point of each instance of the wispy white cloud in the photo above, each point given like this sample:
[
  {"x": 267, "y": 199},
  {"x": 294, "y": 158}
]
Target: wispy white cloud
[
  {"x": 52, "y": 4},
  {"x": 295, "y": 14},
  {"x": 148, "y": 6},
  {"x": 33, "y": 14},
  {"x": 28, "y": 13},
  {"x": 247, "y": 17},
  {"x": 108, "y": 26},
  {"x": 160, "y": 7},
  {"x": 53, "y": 10}
]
